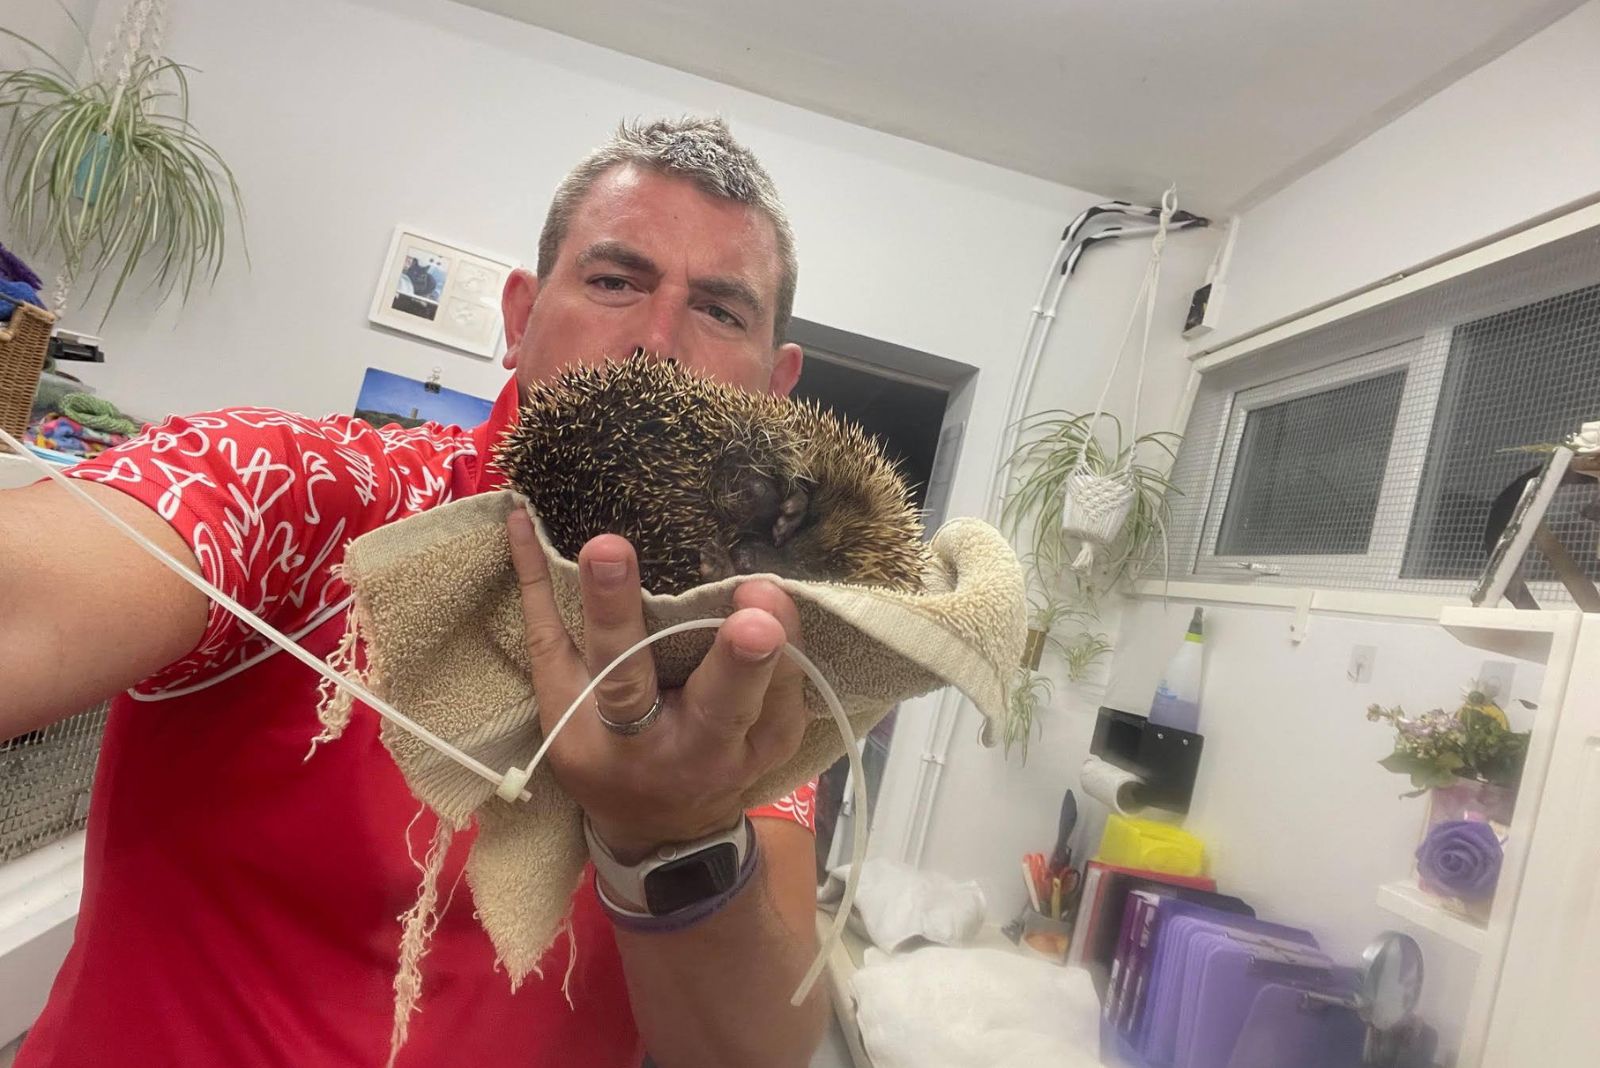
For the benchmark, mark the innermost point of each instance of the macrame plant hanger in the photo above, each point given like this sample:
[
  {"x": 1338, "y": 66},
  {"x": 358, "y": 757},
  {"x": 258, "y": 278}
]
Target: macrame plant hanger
[
  {"x": 138, "y": 34},
  {"x": 1098, "y": 502}
]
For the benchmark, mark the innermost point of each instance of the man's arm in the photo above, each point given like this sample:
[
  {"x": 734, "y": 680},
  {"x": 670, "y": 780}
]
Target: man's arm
[
  {"x": 60, "y": 563},
  {"x": 717, "y": 993}
]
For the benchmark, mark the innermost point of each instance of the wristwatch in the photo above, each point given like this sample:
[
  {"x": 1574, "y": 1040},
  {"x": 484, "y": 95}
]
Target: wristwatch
[{"x": 683, "y": 880}]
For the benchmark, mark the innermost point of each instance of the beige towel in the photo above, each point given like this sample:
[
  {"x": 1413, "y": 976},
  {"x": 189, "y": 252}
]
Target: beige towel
[{"x": 438, "y": 612}]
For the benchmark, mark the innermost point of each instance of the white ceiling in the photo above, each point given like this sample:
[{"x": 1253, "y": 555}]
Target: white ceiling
[{"x": 1232, "y": 99}]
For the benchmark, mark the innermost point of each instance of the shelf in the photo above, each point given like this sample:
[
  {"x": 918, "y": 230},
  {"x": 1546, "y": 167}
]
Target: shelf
[
  {"x": 1542, "y": 621},
  {"x": 1514, "y": 632},
  {"x": 1405, "y": 900}
]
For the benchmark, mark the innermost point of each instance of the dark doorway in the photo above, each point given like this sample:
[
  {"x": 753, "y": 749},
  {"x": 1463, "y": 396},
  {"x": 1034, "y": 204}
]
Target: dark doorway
[{"x": 906, "y": 415}]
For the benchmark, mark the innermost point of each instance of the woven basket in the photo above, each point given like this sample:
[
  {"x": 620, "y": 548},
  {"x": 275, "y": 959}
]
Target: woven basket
[{"x": 24, "y": 342}]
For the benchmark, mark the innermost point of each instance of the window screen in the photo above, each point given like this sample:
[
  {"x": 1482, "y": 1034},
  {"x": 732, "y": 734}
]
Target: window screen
[
  {"x": 1527, "y": 375},
  {"x": 1309, "y": 472},
  {"x": 1295, "y": 471}
]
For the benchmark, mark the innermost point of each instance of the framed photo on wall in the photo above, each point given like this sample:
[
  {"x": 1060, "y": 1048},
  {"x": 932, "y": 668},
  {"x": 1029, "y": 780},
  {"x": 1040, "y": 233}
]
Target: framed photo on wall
[{"x": 442, "y": 292}]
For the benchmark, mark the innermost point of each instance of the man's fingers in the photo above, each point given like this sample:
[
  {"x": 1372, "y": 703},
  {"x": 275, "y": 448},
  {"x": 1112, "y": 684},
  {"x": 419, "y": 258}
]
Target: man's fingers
[
  {"x": 775, "y": 735},
  {"x": 613, "y": 613},
  {"x": 557, "y": 669},
  {"x": 726, "y": 692}
]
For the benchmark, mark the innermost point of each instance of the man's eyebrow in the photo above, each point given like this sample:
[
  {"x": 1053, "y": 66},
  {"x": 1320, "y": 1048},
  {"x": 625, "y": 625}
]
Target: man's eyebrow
[{"x": 618, "y": 253}]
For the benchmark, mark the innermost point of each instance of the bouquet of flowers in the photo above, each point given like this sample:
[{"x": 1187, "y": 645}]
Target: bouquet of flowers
[{"x": 1437, "y": 748}]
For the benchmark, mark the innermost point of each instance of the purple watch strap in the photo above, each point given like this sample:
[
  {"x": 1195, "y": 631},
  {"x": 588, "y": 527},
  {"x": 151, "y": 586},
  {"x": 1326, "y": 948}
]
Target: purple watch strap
[{"x": 689, "y": 916}]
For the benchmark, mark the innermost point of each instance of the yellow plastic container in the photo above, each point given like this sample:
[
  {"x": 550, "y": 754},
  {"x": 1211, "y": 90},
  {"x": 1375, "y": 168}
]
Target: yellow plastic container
[{"x": 1129, "y": 842}]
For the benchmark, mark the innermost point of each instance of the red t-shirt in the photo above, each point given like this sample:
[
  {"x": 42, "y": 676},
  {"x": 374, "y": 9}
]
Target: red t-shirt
[{"x": 240, "y": 902}]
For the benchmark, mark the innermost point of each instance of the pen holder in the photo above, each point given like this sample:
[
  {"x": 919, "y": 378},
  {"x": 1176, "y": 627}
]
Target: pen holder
[{"x": 1045, "y": 937}]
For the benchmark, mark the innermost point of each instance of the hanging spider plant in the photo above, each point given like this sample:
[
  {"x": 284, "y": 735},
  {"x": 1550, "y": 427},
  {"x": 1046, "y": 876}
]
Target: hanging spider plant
[
  {"x": 1028, "y": 690},
  {"x": 1048, "y": 613},
  {"x": 1059, "y": 442},
  {"x": 110, "y": 175},
  {"x": 1041, "y": 467}
]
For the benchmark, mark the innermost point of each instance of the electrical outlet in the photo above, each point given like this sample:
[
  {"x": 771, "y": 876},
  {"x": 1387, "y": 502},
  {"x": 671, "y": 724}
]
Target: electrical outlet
[
  {"x": 1361, "y": 660},
  {"x": 1494, "y": 679},
  {"x": 1197, "y": 310},
  {"x": 1204, "y": 309}
]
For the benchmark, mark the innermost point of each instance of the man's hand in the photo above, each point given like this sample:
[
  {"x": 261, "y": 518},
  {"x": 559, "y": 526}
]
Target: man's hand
[
  {"x": 718, "y": 992},
  {"x": 739, "y": 715}
]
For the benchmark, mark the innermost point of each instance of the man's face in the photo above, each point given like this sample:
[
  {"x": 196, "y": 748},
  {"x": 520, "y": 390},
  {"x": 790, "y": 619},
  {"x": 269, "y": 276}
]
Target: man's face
[{"x": 653, "y": 262}]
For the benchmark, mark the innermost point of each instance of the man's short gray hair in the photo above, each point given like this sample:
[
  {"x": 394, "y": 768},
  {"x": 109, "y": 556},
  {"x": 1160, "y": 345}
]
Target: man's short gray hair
[{"x": 700, "y": 150}]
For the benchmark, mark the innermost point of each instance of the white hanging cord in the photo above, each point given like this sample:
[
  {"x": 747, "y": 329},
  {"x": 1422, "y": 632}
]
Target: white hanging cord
[
  {"x": 1158, "y": 246},
  {"x": 1145, "y": 301},
  {"x": 139, "y": 32},
  {"x": 1030, "y": 376},
  {"x": 511, "y": 785},
  {"x": 1040, "y": 322},
  {"x": 58, "y": 299}
]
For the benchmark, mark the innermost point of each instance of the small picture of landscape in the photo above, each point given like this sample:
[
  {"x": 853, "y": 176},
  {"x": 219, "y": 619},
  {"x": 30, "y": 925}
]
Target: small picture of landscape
[{"x": 388, "y": 398}]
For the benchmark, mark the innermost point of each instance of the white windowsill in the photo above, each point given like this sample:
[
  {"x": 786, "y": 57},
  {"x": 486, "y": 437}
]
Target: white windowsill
[{"x": 1306, "y": 599}]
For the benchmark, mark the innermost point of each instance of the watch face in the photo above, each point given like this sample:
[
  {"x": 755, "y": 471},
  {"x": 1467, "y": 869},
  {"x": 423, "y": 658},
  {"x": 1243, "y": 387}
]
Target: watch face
[{"x": 690, "y": 880}]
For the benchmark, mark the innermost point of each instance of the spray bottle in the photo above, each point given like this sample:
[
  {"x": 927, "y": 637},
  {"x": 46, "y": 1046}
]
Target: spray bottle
[{"x": 1177, "y": 700}]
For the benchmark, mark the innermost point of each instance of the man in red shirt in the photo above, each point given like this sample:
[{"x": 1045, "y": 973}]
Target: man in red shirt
[{"x": 240, "y": 903}]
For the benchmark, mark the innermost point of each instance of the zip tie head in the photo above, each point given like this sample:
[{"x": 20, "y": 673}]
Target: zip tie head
[{"x": 511, "y": 784}]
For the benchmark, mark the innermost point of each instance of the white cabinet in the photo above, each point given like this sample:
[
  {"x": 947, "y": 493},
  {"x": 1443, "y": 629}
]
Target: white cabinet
[
  {"x": 1534, "y": 1003},
  {"x": 1543, "y": 1008}
]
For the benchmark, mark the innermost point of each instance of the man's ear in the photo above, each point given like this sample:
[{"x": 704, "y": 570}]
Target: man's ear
[
  {"x": 786, "y": 368},
  {"x": 516, "y": 301}
]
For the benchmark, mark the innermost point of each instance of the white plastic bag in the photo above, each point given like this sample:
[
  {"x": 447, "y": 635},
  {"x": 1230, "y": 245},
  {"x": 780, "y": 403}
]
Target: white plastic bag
[
  {"x": 975, "y": 1008},
  {"x": 897, "y": 903}
]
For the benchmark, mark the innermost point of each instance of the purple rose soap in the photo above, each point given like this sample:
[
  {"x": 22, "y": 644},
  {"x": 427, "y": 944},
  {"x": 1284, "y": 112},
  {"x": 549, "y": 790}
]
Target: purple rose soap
[{"x": 1460, "y": 858}]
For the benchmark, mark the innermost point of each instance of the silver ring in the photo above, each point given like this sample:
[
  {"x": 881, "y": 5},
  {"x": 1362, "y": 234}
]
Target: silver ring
[{"x": 632, "y": 727}]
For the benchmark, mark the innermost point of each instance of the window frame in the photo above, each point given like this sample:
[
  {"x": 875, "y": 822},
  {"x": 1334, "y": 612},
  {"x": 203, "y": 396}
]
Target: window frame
[
  {"x": 1418, "y": 599},
  {"x": 1398, "y": 490}
]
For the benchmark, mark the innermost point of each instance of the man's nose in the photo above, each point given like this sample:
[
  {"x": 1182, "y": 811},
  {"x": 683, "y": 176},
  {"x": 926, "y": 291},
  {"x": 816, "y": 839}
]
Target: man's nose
[{"x": 662, "y": 328}]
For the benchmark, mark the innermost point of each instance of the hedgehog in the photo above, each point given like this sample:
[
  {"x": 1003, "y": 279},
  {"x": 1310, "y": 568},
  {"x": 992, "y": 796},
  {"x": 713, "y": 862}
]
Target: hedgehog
[{"x": 708, "y": 481}]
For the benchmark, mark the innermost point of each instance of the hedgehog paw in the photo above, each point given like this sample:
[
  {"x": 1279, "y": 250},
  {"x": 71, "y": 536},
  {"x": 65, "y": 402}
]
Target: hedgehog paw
[{"x": 791, "y": 514}]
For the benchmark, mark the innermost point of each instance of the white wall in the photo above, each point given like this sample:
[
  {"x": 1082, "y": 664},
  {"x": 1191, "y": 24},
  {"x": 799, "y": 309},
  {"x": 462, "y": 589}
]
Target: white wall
[
  {"x": 1300, "y": 819},
  {"x": 1511, "y": 141},
  {"x": 344, "y": 118},
  {"x": 43, "y": 23}
]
